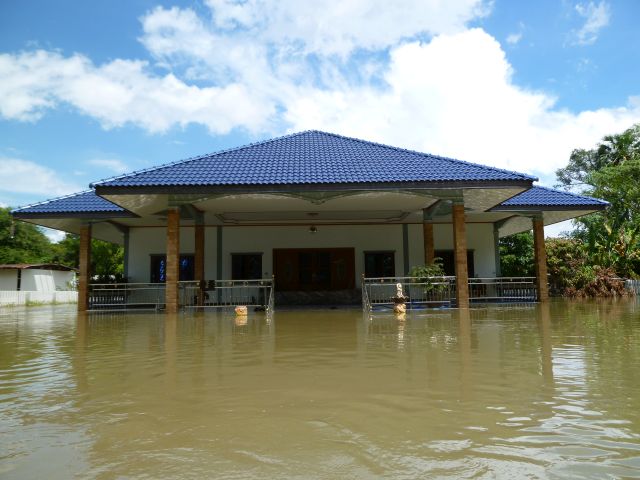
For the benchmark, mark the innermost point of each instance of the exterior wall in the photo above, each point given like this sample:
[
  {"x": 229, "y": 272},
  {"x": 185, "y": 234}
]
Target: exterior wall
[
  {"x": 24, "y": 298},
  {"x": 248, "y": 239},
  {"x": 36, "y": 280},
  {"x": 479, "y": 239},
  {"x": 8, "y": 279}
]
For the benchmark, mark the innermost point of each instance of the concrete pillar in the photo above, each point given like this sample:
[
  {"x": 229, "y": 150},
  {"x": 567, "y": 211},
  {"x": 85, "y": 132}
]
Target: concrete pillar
[
  {"x": 84, "y": 275},
  {"x": 429, "y": 249},
  {"x": 460, "y": 256},
  {"x": 199, "y": 260},
  {"x": 540, "y": 253},
  {"x": 173, "y": 260}
]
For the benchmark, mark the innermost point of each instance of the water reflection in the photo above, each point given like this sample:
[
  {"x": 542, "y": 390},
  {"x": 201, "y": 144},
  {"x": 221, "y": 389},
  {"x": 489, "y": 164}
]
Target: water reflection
[{"x": 544, "y": 391}]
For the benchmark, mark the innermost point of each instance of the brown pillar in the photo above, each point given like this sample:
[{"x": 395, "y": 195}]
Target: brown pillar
[
  {"x": 84, "y": 275},
  {"x": 429, "y": 251},
  {"x": 460, "y": 256},
  {"x": 541, "y": 260},
  {"x": 173, "y": 259},
  {"x": 199, "y": 261}
]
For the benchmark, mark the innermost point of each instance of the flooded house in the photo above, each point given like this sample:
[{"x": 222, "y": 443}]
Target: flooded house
[{"x": 311, "y": 217}]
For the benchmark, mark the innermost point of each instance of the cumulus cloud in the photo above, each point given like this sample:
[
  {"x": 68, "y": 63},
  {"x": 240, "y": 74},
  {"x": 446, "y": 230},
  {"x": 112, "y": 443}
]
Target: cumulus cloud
[
  {"x": 112, "y": 164},
  {"x": 121, "y": 92},
  {"x": 419, "y": 80},
  {"x": 27, "y": 177},
  {"x": 596, "y": 17},
  {"x": 470, "y": 109}
]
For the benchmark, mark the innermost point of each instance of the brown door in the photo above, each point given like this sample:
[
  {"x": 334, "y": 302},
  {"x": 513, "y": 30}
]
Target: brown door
[{"x": 314, "y": 268}]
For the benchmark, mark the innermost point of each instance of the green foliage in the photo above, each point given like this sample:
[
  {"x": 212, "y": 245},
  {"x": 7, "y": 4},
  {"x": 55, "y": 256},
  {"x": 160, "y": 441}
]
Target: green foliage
[
  {"x": 22, "y": 242},
  {"x": 426, "y": 273},
  {"x": 423, "y": 272},
  {"x": 566, "y": 263},
  {"x": 516, "y": 255},
  {"x": 611, "y": 172}
]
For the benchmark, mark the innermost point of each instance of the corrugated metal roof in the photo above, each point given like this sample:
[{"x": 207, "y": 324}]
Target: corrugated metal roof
[
  {"x": 547, "y": 197},
  {"x": 313, "y": 157},
  {"x": 40, "y": 266}
]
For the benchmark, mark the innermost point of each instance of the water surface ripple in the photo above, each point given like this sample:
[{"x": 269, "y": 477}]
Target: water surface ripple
[{"x": 542, "y": 391}]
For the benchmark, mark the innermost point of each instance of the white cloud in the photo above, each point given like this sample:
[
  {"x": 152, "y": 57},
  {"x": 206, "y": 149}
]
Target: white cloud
[
  {"x": 470, "y": 109},
  {"x": 514, "y": 38},
  {"x": 121, "y": 92},
  {"x": 112, "y": 164},
  {"x": 359, "y": 68},
  {"x": 26, "y": 177},
  {"x": 596, "y": 17},
  {"x": 327, "y": 27}
]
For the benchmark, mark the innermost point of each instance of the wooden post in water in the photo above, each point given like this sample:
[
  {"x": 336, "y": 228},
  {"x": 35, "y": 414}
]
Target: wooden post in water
[
  {"x": 540, "y": 252},
  {"x": 84, "y": 274},
  {"x": 429, "y": 249},
  {"x": 173, "y": 260},
  {"x": 460, "y": 255}
]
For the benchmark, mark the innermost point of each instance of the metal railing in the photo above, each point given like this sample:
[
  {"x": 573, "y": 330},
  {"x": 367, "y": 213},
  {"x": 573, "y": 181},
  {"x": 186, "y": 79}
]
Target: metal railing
[
  {"x": 432, "y": 291},
  {"x": 117, "y": 296},
  {"x": 441, "y": 291},
  {"x": 503, "y": 289},
  {"x": 232, "y": 293},
  {"x": 151, "y": 296}
]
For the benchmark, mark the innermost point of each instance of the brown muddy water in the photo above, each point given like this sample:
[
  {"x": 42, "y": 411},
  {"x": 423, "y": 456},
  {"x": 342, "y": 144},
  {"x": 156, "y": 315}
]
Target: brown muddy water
[{"x": 500, "y": 392}]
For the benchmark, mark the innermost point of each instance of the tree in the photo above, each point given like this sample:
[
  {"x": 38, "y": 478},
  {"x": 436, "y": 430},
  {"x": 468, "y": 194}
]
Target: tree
[
  {"x": 610, "y": 172},
  {"x": 516, "y": 255},
  {"x": 22, "y": 242},
  {"x": 107, "y": 259}
]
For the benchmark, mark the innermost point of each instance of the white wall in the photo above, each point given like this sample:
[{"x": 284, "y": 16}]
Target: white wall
[
  {"x": 37, "y": 280},
  {"x": 8, "y": 279},
  {"x": 147, "y": 241}
]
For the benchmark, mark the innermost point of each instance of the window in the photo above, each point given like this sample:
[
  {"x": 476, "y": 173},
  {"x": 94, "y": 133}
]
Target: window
[
  {"x": 246, "y": 266},
  {"x": 379, "y": 264},
  {"x": 159, "y": 268},
  {"x": 449, "y": 265}
]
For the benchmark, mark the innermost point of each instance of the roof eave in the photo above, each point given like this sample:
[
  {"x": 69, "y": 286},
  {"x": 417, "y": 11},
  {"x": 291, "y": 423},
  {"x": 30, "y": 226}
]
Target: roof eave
[
  {"x": 280, "y": 188},
  {"x": 538, "y": 208},
  {"x": 80, "y": 215}
]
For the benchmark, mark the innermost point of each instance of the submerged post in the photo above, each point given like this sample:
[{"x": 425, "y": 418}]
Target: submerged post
[
  {"x": 173, "y": 260},
  {"x": 460, "y": 255},
  {"x": 84, "y": 274},
  {"x": 540, "y": 252}
]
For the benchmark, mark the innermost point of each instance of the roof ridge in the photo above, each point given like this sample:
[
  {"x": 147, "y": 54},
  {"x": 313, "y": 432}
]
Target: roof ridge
[
  {"x": 448, "y": 159},
  {"x": 63, "y": 197},
  {"x": 197, "y": 157}
]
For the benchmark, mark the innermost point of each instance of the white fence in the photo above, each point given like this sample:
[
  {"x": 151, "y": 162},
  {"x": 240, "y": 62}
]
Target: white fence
[
  {"x": 633, "y": 285},
  {"x": 8, "y": 297}
]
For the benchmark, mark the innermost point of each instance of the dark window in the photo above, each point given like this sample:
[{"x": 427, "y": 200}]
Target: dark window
[
  {"x": 449, "y": 265},
  {"x": 379, "y": 264},
  {"x": 246, "y": 266},
  {"x": 159, "y": 268}
]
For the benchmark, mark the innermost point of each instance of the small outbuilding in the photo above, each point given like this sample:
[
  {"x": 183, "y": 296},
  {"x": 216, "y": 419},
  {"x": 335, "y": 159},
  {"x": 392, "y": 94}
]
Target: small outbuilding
[{"x": 37, "y": 277}]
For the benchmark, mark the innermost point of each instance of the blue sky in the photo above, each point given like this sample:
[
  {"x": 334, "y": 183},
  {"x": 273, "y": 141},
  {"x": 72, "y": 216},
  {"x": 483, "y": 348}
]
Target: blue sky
[{"x": 93, "y": 89}]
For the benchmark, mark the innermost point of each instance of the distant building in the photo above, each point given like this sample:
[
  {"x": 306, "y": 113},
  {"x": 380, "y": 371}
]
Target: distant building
[{"x": 37, "y": 277}]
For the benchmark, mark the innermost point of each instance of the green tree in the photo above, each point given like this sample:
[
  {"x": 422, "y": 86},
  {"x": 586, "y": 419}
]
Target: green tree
[
  {"x": 516, "y": 255},
  {"x": 611, "y": 172},
  {"x": 22, "y": 242},
  {"x": 107, "y": 259}
]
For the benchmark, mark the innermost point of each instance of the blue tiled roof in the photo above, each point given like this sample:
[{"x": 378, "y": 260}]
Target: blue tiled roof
[
  {"x": 548, "y": 197},
  {"x": 312, "y": 157},
  {"x": 83, "y": 202}
]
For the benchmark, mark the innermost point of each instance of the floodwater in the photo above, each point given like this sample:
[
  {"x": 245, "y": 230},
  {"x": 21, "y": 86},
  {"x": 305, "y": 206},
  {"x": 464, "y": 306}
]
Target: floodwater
[{"x": 499, "y": 392}]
